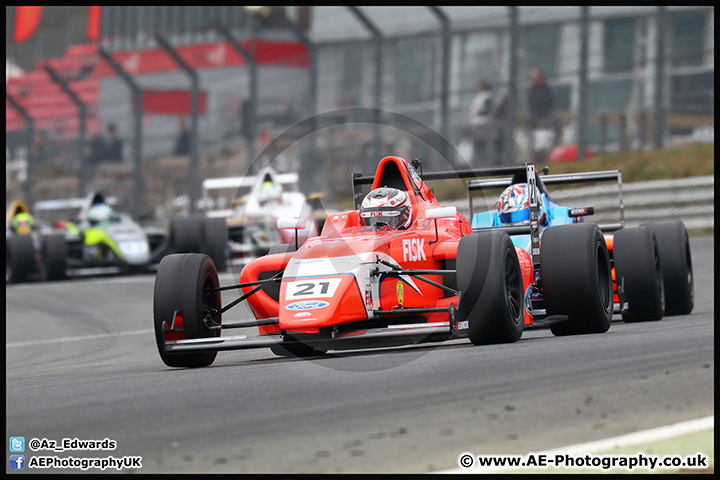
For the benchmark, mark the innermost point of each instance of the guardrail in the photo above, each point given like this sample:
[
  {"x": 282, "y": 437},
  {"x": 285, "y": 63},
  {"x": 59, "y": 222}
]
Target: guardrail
[{"x": 689, "y": 199}]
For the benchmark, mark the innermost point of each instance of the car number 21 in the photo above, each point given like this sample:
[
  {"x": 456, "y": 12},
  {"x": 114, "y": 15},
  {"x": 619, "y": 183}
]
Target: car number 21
[{"x": 315, "y": 288}]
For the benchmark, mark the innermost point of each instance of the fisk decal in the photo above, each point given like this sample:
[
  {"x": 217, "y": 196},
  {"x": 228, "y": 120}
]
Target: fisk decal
[{"x": 413, "y": 249}]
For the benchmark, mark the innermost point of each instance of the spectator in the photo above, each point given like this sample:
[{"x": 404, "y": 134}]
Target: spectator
[
  {"x": 500, "y": 118},
  {"x": 113, "y": 145},
  {"x": 182, "y": 144},
  {"x": 96, "y": 149},
  {"x": 541, "y": 105},
  {"x": 481, "y": 118},
  {"x": 540, "y": 98}
]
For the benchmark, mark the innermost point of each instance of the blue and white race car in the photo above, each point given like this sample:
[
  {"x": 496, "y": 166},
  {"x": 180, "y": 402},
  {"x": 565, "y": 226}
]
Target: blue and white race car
[{"x": 652, "y": 263}]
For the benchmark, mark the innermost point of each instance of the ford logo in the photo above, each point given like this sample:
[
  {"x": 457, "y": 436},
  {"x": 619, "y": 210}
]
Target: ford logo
[{"x": 310, "y": 305}]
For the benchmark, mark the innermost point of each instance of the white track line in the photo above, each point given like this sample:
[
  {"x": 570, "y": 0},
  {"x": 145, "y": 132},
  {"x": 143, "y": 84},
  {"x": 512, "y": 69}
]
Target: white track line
[
  {"x": 636, "y": 438},
  {"x": 74, "y": 339}
]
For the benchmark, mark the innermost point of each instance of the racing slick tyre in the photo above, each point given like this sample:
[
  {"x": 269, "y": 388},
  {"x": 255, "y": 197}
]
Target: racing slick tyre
[
  {"x": 186, "y": 234},
  {"x": 576, "y": 278},
  {"x": 21, "y": 261},
  {"x": 638, "y": 274},
  {"x": 216, "y": 241},
  {"x": 490, "y": 283},
  {"x": 180, "y": 285},
  {"x": 674, "y": 247},
  {"x": 54, "y": 256}
]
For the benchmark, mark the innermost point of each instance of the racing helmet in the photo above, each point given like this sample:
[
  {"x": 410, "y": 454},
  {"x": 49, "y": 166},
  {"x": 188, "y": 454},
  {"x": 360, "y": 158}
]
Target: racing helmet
[
  {"x": 514, "y": 206},
  {"x": 269, "y": 191},
  {"x": 99, "y": 213},
  {"x": 386, "y": 206},
  {"x": 22, "y": 223}
]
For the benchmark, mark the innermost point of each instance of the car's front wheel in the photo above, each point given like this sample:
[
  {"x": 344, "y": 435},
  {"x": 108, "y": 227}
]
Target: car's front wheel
[
  {"x": 490, "y": 282},
  {"x": 183, "y": 284}
]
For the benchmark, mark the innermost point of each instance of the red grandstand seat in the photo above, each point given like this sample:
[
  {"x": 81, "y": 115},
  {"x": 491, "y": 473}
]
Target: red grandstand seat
[{"x": 87, "y": 49}]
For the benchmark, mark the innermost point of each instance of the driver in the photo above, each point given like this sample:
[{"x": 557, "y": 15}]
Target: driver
[
  {"x": 22, "y": 223},
  {"x": 514, "y": 206},
  {"x": 386, "y": 206},
  {"x": 99, "y": 215},
  {"x": 269, "y": 192}
]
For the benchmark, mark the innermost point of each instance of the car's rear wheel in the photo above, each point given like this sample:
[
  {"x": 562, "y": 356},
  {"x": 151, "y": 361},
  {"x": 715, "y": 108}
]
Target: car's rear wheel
[
  {"x": 639, "y": 274},
  {"x": 215, "y": 235},
  {"x": 182, "y": 284},
  {"x": 674, "y": 247},
  {"x": 186, "y": 234},
  {"x": 576, "y": 278},
  {"x": 21, "y": 262},
  {"x": 491, "y": 288},
  {"x": 54, "y": 256}
]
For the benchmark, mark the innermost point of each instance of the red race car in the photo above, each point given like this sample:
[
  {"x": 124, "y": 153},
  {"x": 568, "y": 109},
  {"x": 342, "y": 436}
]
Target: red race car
[{"x": 397, "y": 269}]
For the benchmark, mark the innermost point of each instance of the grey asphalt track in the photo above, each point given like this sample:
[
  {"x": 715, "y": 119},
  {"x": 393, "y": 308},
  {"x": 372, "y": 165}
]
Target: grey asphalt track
[{"x": 82, "y": 363}]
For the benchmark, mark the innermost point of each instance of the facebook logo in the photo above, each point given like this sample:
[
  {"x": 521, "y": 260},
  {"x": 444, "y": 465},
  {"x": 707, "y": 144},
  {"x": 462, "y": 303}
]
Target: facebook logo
[
  {"x": 17, "y": 462},
  {"x": 17, "y": 444}
]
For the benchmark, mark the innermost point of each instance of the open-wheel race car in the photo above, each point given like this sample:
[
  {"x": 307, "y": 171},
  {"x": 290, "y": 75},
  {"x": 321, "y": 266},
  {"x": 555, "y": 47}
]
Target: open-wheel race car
[
  {"x": 398, "y": 269},
  {"x": 33, "y": 251},
  {"x": 91, "y": 237},
  {"x": 651, "y": 263}
]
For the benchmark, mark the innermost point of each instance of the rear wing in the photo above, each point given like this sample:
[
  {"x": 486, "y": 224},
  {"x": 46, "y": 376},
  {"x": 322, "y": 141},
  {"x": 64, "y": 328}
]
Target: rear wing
[
  {"x": 247, "y": 181},
  {"x": 67, "y": 204},
  {"x": 561, "y": 179},
  {"x": 244, "y": 184},
  {"x": 528, "y": 169}
]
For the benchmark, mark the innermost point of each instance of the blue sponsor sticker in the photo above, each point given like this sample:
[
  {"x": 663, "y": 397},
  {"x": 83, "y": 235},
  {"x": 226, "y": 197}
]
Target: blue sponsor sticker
[
  {"x": 528, "y": 299},
  {"x": 309, "y": 305}
]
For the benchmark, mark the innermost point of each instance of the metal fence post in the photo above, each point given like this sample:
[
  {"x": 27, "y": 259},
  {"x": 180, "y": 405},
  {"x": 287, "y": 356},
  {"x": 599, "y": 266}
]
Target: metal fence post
[
  {"x": 194, "y": 119},
  {"x": 513, "y": 88},
  {"x": 30, "y": 129},
  {"x": 623, "y": 133},
  {"x": 65, "y": 87},
  {"x": 137, "y": 94},
  {"x": 378, "y": 40},
  {"x": 445, "y": 78},
  {"x": 659, "y": 121},
  {"x": 583, "y": 82},
  {"x": 309, "y": 165},
  {"x": 251, "y": 118}
]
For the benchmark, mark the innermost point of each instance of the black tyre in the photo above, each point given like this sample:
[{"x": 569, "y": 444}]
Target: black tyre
[
  {"x": 676, "y": 260},
  {"x": 54, "y": 256},
  {"x": 216, "y": 242},
  {"x": 576, "y": 278},
  {"x": 186, "y": 234},
  {"x": 638, "y": 274},
  {"x": 491, "y": 288},
  {"x": 22, "y": 260},
  {"x": 181, "y": 284}
]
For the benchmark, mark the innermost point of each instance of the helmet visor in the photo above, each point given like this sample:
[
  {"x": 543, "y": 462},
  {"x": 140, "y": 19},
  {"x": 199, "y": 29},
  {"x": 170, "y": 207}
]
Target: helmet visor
[
  {"x": 391, "y": 216},
  {"x": 515, "y": 217}
]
